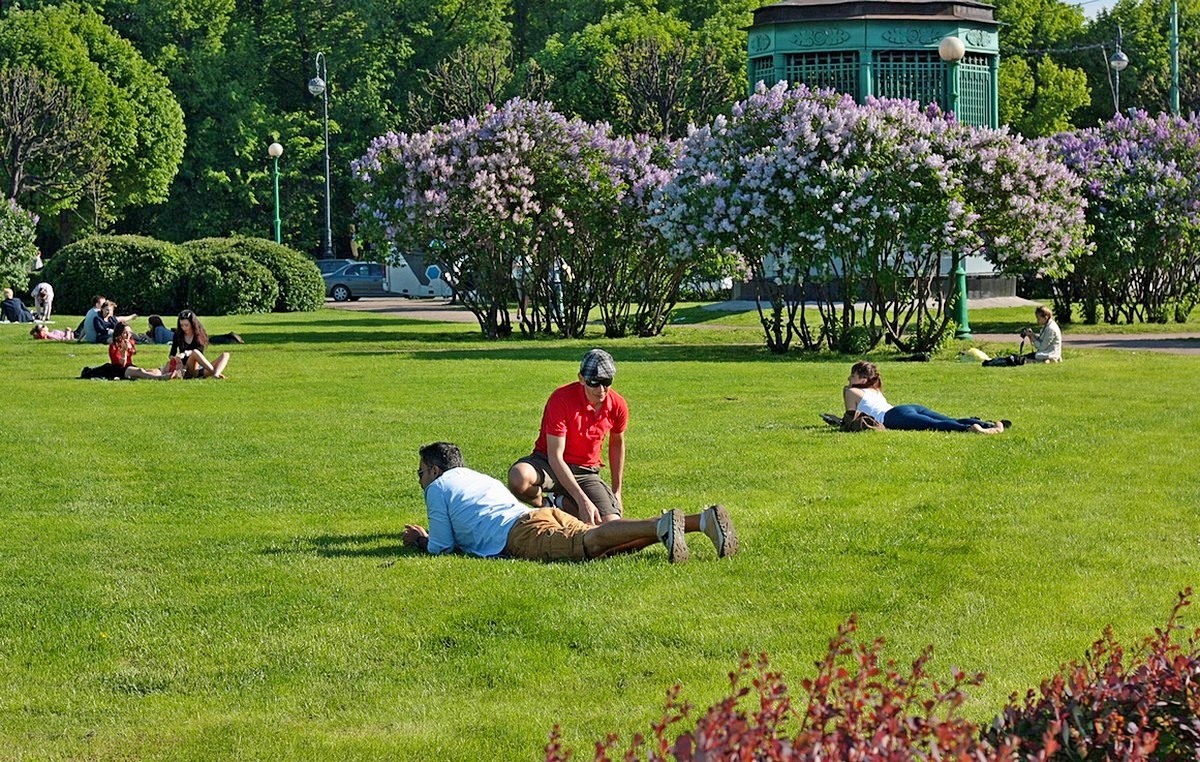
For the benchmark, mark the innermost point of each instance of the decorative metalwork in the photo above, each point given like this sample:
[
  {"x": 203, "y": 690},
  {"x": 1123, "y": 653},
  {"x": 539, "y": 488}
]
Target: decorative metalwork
[
  {"x": 836, "y": 70},
  {"x": 975, "y": 90},
  {"x": 980, "y": 38},
  {"x": 916, "y": 74},
  {"x": 915, "y": 35},
  {"x": 819, "y": 37},
  {"x": 760, "y": 42},
  {"x": 763, "y": 70}
]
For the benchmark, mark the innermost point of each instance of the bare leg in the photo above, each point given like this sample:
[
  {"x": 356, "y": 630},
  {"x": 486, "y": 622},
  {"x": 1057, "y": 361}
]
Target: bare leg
[
  {"x": 219, "y": 365},
  {"x": 613, "y": 535},
  {"x": 153, "y": 373},
  {"x": 523, "y": 483}
]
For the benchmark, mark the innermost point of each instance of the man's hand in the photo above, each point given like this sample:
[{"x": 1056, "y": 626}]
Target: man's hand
[
  {"x": 588, "y": 512},
  {"x": 415, "y": 537}
]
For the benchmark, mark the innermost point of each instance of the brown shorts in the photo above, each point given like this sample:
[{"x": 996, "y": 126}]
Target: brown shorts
[
  {"x": 588, "y": 478},
  {"x": 547, "y": 534}
]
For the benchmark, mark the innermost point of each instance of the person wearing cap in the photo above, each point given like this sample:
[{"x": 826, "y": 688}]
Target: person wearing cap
[
  {"x": 566, "y": 456},
  {"x": 475, "y": 514}
]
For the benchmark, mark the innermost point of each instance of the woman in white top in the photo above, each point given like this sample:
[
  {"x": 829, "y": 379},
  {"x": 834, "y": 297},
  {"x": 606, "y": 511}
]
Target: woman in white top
[{"x": 864, "y": 393}]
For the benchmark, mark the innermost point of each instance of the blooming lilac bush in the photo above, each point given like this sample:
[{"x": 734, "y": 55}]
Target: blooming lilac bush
[
  {"x": 819, "y": 195},
  {"x": 1142, "y": 181},
  {"x": 523, "y": 202}
]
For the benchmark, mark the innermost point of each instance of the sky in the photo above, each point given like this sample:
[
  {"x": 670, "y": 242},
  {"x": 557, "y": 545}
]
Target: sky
[{"x": 1092, "y": 7}]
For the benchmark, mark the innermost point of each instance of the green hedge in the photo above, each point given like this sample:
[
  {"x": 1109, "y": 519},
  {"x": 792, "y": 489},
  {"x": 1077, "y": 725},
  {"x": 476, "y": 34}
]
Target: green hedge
[
  {"x": 227, "y": 283},
  {"x": 140, "y": 274},
  {"x": 301, "y": 288}
]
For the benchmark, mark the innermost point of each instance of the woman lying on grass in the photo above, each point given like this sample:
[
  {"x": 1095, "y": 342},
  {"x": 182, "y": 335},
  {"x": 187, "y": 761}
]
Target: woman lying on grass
[{"x": 864, "y": 394}]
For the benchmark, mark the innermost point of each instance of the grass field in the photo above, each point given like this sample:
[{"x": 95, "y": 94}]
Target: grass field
[{"x": 213, "y": 570}]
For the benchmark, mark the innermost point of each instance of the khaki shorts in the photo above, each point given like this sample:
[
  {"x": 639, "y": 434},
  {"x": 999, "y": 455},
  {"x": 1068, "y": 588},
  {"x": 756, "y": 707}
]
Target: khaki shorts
[
  {"x": 547, "y": 534},
  {"x": 587, "y": 477}
]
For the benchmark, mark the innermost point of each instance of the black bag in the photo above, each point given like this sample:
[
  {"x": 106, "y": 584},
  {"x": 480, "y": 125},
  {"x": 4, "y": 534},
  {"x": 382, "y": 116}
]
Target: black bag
[{"x": 1004, "y": 362}]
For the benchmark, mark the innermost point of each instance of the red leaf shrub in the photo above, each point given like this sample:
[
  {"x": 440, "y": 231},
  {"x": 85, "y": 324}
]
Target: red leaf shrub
[
  {"x": 1111, "y": 707},
  {"x": 1107, "y": 707}
]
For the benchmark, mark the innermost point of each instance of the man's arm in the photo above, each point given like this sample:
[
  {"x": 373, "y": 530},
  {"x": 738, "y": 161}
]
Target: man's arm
[
  {"x": 415, "y": 537},
  {"x": 616, "y": 463},
  {"x": 556, "y": 447}
]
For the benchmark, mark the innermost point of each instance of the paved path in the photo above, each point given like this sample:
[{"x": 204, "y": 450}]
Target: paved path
[{"x": 440, "y": 310}]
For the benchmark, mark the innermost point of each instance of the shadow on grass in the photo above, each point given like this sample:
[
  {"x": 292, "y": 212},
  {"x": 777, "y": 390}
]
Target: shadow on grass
[
  {"x": 698, "y": 315},
  {"x": 356, "y": 337},
  {"x": 571, "y": 355},
  {"x": 381, "y": 545}
]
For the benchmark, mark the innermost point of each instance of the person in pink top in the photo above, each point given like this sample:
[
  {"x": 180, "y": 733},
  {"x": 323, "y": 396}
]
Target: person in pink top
[{"x": 566, "y": 457}]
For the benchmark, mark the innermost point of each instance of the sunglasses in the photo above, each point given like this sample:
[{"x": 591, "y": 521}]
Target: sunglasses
[{"x": 595, "y": 382}]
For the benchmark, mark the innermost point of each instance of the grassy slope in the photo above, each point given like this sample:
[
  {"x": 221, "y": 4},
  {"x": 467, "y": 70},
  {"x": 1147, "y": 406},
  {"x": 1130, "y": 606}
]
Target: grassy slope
[{"x": 212, "y": 570}]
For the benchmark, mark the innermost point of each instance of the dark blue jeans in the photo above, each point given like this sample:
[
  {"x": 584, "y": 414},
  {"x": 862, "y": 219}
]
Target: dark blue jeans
[{"x": 921, "y": 418}]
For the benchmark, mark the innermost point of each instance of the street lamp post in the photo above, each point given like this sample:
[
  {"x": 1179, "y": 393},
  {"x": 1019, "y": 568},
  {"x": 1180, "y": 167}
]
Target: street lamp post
[
  {"x": 1118, "y": 62},
  {"x": 951, "y": 50},
  {"x": 275, "y": 151},
  {"x": 319, "y": 85}
]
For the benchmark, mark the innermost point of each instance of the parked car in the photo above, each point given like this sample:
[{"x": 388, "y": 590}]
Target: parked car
[
  {"x": 356, "y": 280},
  {"x": 327, "y": 266}
]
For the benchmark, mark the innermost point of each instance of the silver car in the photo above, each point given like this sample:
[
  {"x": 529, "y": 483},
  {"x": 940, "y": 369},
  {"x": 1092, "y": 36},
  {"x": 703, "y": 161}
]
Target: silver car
[{"x": 356, "y": 280}]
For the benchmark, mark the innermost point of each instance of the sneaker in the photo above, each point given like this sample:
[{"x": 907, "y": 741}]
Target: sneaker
[
  {"x": 237, "y": 339},
  {"x": 715, "y": 522},
  {"x": 670, "y": 533}
]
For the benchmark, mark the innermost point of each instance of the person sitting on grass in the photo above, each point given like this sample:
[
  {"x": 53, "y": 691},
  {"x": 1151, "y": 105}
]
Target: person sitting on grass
[
  {"x": 14, "y": 310},
  {"x": 1047, "y": 344},
  {"x": 40, "y": 331},
  {"x": 188, "y": 346},
  {"x": 158, "y": 332},
  {"x": 476, "y": 514},
  {"x": 864, "y": 393},
  {"x": 121, "y": 352}
]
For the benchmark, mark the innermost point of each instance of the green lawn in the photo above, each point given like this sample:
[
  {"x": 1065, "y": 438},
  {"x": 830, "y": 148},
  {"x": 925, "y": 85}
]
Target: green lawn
[{"x": 212, "y": 569}]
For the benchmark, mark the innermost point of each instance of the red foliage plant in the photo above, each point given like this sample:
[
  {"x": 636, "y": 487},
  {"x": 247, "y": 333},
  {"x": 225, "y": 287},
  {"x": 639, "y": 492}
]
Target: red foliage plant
[{"x": 857, "y": 708}]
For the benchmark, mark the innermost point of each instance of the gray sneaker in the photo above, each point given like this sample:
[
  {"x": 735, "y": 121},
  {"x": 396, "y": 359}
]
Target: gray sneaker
[
  {"x": 715, "y": 523},
  {"x": 670, "y": 533}
]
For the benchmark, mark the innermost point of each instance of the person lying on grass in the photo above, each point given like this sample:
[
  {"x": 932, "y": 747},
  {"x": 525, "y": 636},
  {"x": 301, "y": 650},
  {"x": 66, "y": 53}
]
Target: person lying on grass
[
  {"x": 476, "y": 514},
  {"x": 864, "y": 393}
]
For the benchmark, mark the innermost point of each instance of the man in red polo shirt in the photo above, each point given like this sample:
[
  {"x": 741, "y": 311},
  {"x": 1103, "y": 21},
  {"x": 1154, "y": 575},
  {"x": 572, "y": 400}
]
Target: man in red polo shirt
[{"x": 566, "y": 457}]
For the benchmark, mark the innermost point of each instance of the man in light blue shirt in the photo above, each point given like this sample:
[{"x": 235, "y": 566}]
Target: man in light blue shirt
[{"x": 476, "y": 514}]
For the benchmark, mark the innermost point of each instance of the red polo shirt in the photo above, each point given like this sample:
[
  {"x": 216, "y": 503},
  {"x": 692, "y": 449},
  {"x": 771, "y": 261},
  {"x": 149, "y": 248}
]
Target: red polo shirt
[{"x": 569, "y": 414}]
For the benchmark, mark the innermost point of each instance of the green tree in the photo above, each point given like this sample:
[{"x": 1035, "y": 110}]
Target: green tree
[
  {"x": 49, "y": 152},
  {"x": 1039, "y": 93},
  {"x": 643, "y": 71},
  {"x": 139, "y": 122}
]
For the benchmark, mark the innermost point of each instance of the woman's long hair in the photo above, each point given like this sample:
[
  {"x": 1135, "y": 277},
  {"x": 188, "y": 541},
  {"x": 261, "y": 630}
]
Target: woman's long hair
[
  {"x": 867, "y": 370},
  {"x": 199, "y": 335}
]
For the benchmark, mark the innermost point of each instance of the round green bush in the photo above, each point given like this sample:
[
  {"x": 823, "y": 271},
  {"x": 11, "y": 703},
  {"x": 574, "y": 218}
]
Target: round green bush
[
  {"x": 301, "y": 288},
  {"x": 230, "y": 284},
  {"x": 140, "y": 274}
]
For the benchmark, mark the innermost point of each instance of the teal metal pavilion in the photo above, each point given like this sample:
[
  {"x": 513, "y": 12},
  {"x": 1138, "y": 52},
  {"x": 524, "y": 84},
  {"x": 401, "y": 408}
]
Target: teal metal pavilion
[{"x": 882, "y": 48}]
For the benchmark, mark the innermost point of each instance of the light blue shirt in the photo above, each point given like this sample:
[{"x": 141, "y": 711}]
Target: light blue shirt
[
  {"x": 470, "y": 511},
  {"x": 89, "y": 325}
]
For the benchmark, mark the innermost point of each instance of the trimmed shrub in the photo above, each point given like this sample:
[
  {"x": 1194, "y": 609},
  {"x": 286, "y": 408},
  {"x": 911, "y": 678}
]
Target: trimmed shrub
[
  {"x": 140, "y": 274},
  {"x": 857, "y": 708},
  {"x": 301, "y": 288},
  {"x": 17, "y": 248},
  {"x": 230, "y": 284}
]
